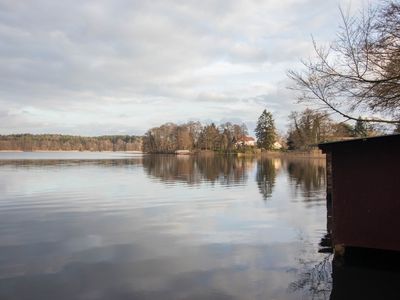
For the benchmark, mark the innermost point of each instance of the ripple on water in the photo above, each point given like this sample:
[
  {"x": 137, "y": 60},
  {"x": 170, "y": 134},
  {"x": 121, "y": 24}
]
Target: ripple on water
[{"x": 159, "y": 227}]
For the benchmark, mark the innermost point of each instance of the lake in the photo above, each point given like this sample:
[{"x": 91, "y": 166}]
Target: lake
[{"x": 129, "y": 226}]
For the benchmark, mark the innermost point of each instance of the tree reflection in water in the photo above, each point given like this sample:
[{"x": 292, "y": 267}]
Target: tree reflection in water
[
  {"x": 192, "y": 170},
  {"x": 226, "y": 170},
  {"x": 266, "y": 175},
  {"x": 308, "y": 177},
  {"x": 315, "y": 278}
]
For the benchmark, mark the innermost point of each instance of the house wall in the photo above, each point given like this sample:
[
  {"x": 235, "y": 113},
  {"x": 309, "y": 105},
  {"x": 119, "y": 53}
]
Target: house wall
[
  {"x": 366, "y": 195},
  {"x": 250, "y": 143}
]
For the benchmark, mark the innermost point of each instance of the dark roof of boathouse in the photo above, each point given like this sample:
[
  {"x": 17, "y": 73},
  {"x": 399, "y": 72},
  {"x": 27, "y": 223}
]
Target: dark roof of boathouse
[{"x": 375, "y": 141}]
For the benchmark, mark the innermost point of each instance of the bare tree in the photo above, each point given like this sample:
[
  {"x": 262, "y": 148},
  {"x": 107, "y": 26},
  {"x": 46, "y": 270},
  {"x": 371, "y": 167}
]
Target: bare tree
[
  {"x": 308, "y": 128},
  {"x": 360, "y": 71}
]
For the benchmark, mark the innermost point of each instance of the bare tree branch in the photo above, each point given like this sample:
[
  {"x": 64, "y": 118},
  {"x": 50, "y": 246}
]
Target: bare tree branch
[{"x": 360, "y": 70}]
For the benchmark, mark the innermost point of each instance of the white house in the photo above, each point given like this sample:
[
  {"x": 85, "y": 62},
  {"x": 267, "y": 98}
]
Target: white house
[
  {"x": 277, "y": 146},
  {"x": 246, "y": 141}
]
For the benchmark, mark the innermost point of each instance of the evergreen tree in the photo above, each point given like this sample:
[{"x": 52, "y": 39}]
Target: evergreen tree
[{"x": 265, "y": 131}]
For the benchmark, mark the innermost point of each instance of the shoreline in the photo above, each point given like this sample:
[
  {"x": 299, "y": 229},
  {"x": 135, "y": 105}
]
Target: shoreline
[
  {"x": 294, "y": 154},
  {"x": 68, "y": 151},
  {"x": 289, "y": 154}
]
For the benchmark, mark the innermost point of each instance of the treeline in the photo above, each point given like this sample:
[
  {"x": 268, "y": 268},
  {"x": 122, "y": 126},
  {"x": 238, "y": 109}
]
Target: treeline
[
  {"x": 306, "y": 129},
  {"x": 310, "y": 127},
  {"x": 191, "y": 136},
  {"x": 58, "y": 142}
]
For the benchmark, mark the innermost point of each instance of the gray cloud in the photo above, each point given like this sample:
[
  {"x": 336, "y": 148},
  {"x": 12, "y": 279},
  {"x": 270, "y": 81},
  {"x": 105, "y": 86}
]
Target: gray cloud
[{"x": 73, "y": 61}]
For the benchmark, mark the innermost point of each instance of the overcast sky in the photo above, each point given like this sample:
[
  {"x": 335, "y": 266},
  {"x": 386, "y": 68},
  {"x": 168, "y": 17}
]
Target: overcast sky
[{"x": 123, "y": 66}]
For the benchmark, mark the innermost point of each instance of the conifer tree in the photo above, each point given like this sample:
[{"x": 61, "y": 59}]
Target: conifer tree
[{"x": 265, "y": 131}]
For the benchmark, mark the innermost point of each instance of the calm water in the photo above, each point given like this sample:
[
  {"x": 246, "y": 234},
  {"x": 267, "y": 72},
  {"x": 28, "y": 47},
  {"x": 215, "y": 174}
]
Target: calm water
[{"x": 120, "y": 226}]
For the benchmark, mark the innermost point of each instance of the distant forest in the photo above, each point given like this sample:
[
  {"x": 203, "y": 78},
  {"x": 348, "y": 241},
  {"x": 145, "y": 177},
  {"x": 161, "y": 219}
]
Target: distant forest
[
  {"x": 169, "y": 137},
  {"x": 305, "y": 129},
  {"x": 58, "y": 142}
]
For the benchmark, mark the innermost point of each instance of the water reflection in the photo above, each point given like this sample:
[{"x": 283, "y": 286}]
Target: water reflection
[
  {"x": 226, "y": 170},
  {"x": 315, "y": 277},
  {"x": 168, "y": 227},
  {"x": 308, "y": 177},
  {"x": 266, "y": 174},
  {"x": 40, "y": 163}
]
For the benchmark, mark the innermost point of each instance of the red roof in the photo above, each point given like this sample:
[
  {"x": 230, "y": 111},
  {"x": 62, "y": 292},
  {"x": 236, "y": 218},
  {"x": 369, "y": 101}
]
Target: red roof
[{"x": 247, "y": 139}]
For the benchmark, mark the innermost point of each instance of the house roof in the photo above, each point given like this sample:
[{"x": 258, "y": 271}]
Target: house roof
[
  {"x": 247, "y": 139},
  {"x": 368, "y": 141}
]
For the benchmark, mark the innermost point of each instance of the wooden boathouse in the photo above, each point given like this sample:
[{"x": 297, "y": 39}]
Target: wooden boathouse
[{"x": 363, "y": 192}]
